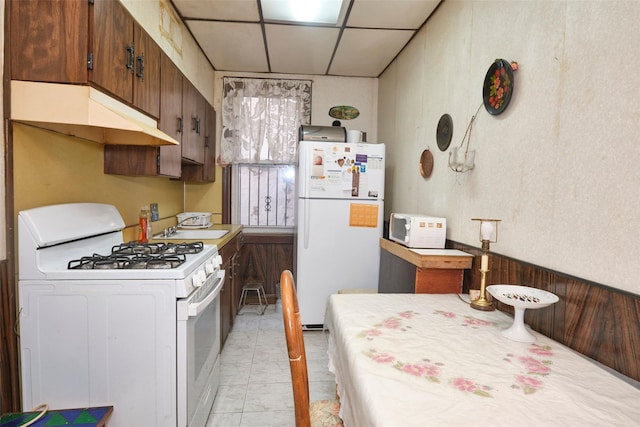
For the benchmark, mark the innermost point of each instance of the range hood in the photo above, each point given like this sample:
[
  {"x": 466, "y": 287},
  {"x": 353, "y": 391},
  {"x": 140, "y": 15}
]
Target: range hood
[{"x": 85, "y": 112}]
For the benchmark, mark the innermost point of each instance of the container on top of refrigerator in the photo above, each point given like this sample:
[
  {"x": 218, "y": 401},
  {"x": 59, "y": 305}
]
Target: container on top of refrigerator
[{"x": 322, "y": 133}]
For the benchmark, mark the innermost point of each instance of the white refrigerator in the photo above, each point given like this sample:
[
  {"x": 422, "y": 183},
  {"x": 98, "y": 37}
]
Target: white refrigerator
[{"x": 340, "y": 216}]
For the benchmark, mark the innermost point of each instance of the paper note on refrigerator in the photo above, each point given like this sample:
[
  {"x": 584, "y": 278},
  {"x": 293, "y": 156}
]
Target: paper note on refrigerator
[{"x": 363, "y": 215}]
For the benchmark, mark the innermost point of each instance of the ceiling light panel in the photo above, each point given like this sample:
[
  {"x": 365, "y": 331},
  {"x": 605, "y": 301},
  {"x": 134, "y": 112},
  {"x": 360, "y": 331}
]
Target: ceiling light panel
[
  {"x": 325, "y": 12},
  {"x": 231, "y": 46}
]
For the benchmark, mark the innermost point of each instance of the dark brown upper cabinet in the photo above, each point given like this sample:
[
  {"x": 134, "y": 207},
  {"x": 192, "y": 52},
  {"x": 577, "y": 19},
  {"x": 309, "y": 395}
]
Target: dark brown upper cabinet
[
  {"x": 193, "y": 114},
  {"x": 155, "y": 161},
  {"x": 41, "y": 46},
  {"x": 205, "y": 172},
  {"x": 82, "y": 42}
]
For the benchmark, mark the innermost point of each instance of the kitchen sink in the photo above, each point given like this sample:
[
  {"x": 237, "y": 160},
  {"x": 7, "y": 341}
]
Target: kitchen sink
[{"x": 195, "y": 235}]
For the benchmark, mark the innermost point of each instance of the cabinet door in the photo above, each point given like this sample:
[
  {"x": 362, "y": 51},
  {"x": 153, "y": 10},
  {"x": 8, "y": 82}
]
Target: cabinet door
[
  {"x": 41, "y": 46},
  {"x": 113, "y": 49},
  {"x": 193, "y": 109},
  {"x": 226, "y": 302},
  {"x": 205, "y": 172},
  {"x": 209, "y": 171},
  {"x": 146, "y": 95},
  {"x": 230, "y": 254},
  {"x": 131, "y": 160},
  {"x": 170, "y": 116}
]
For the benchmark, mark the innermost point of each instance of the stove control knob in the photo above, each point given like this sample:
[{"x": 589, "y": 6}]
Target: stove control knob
[
  {"x": 219, "y": 259},
  {"x": 209, "y": 268},
  {"x": 196, "y": 280},
  {"x": 203, "y": 275}
]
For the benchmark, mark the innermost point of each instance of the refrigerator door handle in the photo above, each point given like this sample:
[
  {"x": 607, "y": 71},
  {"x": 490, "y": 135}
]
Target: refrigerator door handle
[
  {"x": 307, "y": 222},
  {"x": 303, "y": 172}
]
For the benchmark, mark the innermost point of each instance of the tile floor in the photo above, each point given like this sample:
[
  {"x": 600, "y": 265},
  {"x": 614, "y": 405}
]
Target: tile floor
[{"x": 255, "y": 389}]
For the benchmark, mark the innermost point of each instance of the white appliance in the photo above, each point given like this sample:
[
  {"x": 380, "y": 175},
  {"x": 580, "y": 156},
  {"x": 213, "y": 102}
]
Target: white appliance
[
  {"x": 340, "y": 216},
  {"x": 136, "y": 327},
  {"x": 418, "y": 231}
]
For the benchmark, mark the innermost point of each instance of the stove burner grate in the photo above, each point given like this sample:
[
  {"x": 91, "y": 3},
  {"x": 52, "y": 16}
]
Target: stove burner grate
[
  {"x": 99, "y": 262},
  {"x": 134, "y": 255},
  {"x": 156, "y": 262},
  {"x": 135, "y": 248}
]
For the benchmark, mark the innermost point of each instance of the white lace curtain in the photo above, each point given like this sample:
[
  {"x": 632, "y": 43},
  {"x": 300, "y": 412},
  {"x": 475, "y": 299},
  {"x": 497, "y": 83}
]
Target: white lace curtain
[{"x": 261, "y": 118}]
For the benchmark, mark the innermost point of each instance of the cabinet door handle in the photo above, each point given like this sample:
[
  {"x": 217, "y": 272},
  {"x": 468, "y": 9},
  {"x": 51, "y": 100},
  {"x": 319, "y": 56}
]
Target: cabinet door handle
[
  {"x": 179, "y": 130},
  {"x": 140, "y": 70},
  {"x": 130, "y": 57},
  {"x": 195, "y": 124}
]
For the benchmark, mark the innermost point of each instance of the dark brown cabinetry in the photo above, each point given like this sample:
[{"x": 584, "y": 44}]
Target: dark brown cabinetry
[
  {"x": 205, "y": 172},
  {"x": 170, "y": 116},
  {"x": 230, "y": 253},
  {"x": 154, "y": 161},
  {"x": 82, "y": 42},
  {"x": 146, "y": 88},
  {"x": 41, "y": 49},
  {"x": 193, "y": 116},
  {"x": 98, "y": 43},
  {"x": 111, "y": 61},
  {"x": 184, "y": 115}
]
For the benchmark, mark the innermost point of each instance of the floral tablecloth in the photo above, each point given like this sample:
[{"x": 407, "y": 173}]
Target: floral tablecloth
[{"x": 404, "y": 360}]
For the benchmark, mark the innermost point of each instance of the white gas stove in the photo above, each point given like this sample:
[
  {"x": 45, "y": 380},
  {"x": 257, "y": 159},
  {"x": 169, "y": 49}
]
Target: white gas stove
[{"x": 104, "y": 322}]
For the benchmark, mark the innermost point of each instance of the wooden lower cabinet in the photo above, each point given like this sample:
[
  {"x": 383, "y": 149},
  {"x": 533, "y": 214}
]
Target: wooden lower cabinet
[
  {"x": 230, "y": 254},
  {"x": 434, "y": 272}
]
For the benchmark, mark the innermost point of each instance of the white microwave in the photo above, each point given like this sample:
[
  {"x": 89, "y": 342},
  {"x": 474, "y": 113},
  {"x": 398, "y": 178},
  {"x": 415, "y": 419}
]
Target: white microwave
[{"x": 418, "y": 231}]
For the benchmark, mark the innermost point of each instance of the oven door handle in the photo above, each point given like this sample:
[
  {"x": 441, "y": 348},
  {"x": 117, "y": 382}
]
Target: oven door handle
[{"x": 195, "y": 308}]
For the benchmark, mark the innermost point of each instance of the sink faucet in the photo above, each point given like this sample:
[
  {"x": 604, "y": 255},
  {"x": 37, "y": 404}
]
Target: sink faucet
[{"x": 168, "y": 232}]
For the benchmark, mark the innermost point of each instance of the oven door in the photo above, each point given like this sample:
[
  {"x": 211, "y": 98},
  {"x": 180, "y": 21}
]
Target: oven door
[{"x": 198, "y": 349}]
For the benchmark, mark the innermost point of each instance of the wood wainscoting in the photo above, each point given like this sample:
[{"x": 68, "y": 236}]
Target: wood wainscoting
[
  {"x": 9, "y": 357},
  {"x": 263, "y": 258},
  {"x": 598, "y": 321}
]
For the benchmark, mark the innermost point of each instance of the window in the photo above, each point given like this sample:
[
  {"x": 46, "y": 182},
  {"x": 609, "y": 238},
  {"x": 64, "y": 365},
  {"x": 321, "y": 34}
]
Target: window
[
  {"x": 260, "y": 123},
  {"x": 266, "y": 195}
]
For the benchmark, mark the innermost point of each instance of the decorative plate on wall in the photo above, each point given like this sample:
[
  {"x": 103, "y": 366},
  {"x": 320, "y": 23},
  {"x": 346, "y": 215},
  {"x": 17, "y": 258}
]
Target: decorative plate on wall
[
  {"x": 444, "y": 132},
  {"x": 426, "y": 163},
  {"x": 344, "y": 112},
  {"x": 498, "y": 87}
]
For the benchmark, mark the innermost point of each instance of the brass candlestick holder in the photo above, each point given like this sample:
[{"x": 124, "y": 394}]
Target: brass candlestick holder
[{"x": 488, "y": 234}]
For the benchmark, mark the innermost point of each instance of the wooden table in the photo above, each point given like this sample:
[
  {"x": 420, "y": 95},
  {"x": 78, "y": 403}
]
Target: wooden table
[
  {"x": 407, "y": 270},
  {"x": 431, "y": 360}
]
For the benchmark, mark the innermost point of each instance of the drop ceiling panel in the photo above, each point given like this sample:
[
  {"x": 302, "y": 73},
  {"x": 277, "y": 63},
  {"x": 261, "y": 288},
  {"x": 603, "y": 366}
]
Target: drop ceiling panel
[
  {"x": 366, "y": 53},
  {"x": 300, "y": 49},
  {"x": 231, "y": 46},
  {"x": 233, "y": 36},
  {"x": 399, "y": 14},
  {"x": 221, "y": 10}
]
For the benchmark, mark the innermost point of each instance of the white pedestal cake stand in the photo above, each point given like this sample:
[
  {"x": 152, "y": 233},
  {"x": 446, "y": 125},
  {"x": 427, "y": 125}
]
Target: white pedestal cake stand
[{"x": 521, "y": 298}]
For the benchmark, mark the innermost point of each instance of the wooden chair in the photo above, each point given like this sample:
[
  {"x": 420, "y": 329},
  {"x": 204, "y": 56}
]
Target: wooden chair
[{"x": 323, "y": 413}]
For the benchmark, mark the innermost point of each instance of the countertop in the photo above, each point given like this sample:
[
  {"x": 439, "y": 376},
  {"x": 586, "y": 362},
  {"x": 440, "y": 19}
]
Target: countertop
[
  {"x": 429, "y": 258},
  {"x": 234, "y": 229}
]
